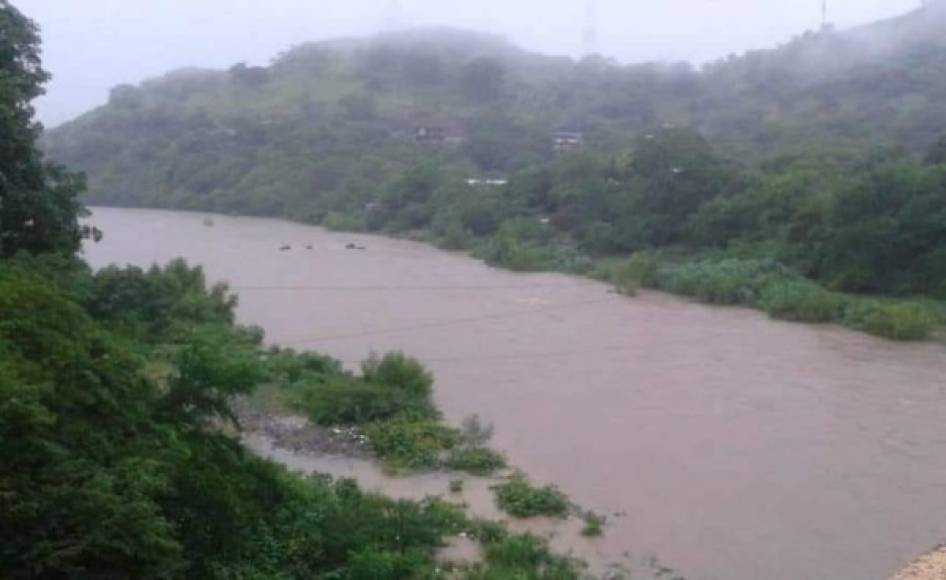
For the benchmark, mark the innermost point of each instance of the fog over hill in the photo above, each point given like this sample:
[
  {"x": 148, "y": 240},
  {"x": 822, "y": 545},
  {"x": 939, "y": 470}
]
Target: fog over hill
[{"x": 93, "y": 45}]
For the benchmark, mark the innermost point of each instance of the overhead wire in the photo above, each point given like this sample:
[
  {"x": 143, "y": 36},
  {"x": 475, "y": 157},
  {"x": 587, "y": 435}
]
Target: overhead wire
[{"x": 444, "y": 323}]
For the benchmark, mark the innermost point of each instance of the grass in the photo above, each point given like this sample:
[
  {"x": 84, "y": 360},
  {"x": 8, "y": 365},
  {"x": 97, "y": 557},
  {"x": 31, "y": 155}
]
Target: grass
[
  {"x": 594, "y": 526},
  {"x": 475, "y": 460},
  {"x": 521, "y": 499},
  {"x": 779, "y": 291},
  {"x": 411, "y": 444}
]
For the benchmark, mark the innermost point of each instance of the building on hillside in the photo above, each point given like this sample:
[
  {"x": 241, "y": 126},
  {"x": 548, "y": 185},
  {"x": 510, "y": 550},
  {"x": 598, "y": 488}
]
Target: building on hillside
[
  {"x": 475, "y": 182},
  {"x": 565, "y": 141},
  {"x": 438, "y": 131}
]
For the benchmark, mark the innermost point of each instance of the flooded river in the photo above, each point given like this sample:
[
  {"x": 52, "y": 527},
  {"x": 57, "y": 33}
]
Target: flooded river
[{"x": 740, "y": 448}]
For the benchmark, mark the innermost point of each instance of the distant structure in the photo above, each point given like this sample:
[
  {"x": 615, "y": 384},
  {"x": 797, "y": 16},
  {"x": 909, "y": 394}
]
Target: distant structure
[
  {"x": 589, "y": 36},
  {"x": 438, "y": 131},
  {"x": 474, "y": 182},
  {"x": 824, "y": 14},
  {"x": 566, "y": 141}
]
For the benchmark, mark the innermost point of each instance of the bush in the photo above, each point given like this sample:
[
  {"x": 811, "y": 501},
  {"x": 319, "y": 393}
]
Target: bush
[
  {"x": 519, "y": 498},
  {"x": 475, "y": 460},
  {"x": 344, "y": 222},
  {"x": 594, "y": 526},
  {"x": 520, "y": 557},
  {"x": 730, "y": 281},
  {"x": 802, "y": 302},
  {"x": 641, "y": 270},
  {"x": 400, "y": 372},
  {"x": 411, "y": 444},
  {"x": 392, "y": 386},
  {"x": 900, "y": 321},
  {"x": 346, "y": 400}
]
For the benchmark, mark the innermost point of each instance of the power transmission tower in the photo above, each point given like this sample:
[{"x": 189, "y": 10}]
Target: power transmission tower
[
  {"x": 590, "y": 33},
  {"x": 824, "y": 14}
]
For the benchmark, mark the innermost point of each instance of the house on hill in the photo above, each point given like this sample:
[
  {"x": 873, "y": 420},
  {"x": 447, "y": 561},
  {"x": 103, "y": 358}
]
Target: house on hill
[
  {"x": 438, "y": 131},
  {"x": 565, "y": 141}
]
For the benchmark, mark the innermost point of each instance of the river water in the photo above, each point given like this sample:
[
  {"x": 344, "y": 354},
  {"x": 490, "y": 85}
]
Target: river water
[{"x": 739, "y": 447}]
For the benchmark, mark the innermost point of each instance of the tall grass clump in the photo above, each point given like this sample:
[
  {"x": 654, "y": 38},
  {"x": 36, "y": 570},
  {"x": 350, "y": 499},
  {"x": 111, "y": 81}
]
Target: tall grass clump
[
  {"x": 641, "y": 270},
  {"x": 731, "y": 281},
  {"x": 904, "y": 321},
  {"x": 411, "y": 444},
  {"x": 521, "y": 499},
  {"x": 801, "y": 301}
]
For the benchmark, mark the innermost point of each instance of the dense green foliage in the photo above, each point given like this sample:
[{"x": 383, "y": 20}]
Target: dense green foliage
[
  {"x": 521, "y": 499},
  {"x": 38, "y": 200},
  {"x": 781, "y": 292}
]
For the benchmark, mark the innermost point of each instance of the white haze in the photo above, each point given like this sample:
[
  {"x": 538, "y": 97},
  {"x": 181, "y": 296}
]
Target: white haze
[{"x": 92, "y": 45}]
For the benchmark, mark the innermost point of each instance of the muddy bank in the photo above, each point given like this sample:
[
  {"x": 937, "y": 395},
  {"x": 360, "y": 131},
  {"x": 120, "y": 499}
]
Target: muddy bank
[{"x": 929, "y": 567}]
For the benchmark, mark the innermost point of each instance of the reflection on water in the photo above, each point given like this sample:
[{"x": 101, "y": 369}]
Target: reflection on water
[{"x": 738, "y": 447}]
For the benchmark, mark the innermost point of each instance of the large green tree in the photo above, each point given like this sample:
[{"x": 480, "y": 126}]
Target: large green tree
[{"x": 39, "y": 208}]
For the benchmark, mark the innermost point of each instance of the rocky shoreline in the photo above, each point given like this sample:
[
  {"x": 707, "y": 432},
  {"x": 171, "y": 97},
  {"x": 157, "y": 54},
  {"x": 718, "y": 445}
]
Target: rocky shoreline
[{"x": 297, "y": 434}]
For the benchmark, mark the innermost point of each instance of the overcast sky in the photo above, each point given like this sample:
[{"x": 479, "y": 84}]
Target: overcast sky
[{"x": 92, "y": 45}]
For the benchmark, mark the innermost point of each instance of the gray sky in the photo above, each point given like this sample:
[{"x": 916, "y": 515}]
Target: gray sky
[{"x": 92, "y": 45}]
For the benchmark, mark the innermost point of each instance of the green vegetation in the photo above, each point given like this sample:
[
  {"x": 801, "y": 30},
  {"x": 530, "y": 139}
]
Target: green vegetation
[
  {"x": 475, "y": 460},
  {"x": 116, "y": 417},
  {"x": 781, "y": 292},
  {"x": 411, "y": 444},
  {"x": 594, "y": 526},
  {"x": 521, "y": 499},
  {"x": 389, "y": 387}
]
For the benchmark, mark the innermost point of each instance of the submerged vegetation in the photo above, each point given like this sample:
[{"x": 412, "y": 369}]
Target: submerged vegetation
[{"x": 519, "y": 498}]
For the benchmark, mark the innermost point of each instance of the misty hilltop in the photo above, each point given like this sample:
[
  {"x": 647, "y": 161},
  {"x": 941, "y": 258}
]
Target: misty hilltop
[{"x": 327, "y": 122}]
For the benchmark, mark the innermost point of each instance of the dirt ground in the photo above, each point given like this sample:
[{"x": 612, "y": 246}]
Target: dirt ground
[{"x": 929, "y": 567}]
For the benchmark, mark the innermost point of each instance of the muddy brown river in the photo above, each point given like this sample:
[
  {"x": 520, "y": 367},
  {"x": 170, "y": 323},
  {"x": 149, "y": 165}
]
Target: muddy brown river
[{"x": 739, "y": 447}]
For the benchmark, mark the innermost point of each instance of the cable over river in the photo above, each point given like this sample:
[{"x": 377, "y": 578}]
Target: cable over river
[{"x": 738, "y": 447}]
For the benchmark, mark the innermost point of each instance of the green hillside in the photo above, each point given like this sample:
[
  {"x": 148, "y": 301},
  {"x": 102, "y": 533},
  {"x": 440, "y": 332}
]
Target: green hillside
[
  {"x": 823, "y": 156},
  {"x": 336, "y": 118}
]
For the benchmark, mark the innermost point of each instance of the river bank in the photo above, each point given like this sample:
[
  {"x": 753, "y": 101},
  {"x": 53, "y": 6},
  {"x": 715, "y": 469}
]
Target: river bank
[{"x": 929, "y": 567}]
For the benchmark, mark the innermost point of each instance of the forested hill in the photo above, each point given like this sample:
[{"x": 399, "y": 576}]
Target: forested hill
[{"x": 335, "y": 119}]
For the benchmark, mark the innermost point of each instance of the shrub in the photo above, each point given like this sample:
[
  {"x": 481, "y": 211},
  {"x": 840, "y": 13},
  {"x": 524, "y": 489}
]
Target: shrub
[
  {"x": 902, "y": 321},
  {"x": 475, "y": 460},
  {"x": 519, "y": 498},
  {"x": 346, "y": 400},
  {"x": 801, "y": 301},
  {"x": 344, "y": 222},
  {"x": 399, "y": 372},
  {"x": 520, "y": 557},
  {"x": 392, "y": 386},
  {"x": 640, "y": 270},
  {"x": 411, "y": 444},
  {"x": 594, "y": 526},
  {"x": 731, "y": 281}
]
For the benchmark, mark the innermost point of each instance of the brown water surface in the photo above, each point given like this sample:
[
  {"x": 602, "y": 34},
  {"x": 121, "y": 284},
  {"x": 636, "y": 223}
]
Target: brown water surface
[{"x": 738, "y": 447}]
